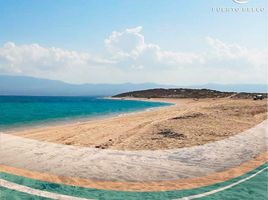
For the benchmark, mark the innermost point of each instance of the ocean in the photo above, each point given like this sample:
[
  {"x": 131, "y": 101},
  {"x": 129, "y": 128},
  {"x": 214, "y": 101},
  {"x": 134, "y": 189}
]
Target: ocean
[{"x": 19, "y": 111}]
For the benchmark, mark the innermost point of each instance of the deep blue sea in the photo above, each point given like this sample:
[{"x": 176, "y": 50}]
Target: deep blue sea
[{"x": 18, "y": 111}]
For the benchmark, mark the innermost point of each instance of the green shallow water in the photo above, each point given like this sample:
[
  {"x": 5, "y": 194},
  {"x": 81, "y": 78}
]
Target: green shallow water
[
  {"x": 254, "y": 188},
  {"x": 7, "y": 194}
]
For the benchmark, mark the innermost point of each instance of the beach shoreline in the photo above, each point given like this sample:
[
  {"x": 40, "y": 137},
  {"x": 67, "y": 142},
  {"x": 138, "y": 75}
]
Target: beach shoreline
[
  {"x": 77, "y": 120},
  {"x": 188, "y": 122},
  {"x": 162, "y": 100}
]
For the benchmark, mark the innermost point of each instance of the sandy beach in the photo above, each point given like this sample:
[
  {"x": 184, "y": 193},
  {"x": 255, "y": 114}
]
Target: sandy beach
[
  {"x": 223, "y": 140},
  {"x": 187, "y": 123}
]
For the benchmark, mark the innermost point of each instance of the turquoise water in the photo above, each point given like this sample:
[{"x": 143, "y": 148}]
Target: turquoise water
[
  {"x": 253, "y": 188},
  {"x": 16, "y": 111}
]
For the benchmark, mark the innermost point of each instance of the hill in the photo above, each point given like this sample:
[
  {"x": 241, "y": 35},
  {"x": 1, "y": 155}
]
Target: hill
[{"x": 186, "y": 93}]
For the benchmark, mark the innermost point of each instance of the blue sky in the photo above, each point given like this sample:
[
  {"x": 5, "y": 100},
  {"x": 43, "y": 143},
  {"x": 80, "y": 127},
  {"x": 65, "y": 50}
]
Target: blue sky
[{"x": 179, "y": 28}]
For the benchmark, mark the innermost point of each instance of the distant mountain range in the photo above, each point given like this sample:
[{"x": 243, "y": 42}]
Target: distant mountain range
[{"x": 23, "y": 85}]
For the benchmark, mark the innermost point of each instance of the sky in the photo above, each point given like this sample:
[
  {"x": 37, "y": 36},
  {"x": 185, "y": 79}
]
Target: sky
[{"x": 116, "y": 41}]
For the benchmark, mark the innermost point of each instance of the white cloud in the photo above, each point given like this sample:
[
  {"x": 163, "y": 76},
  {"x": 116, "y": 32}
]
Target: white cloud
[
  {"x": 130, "y": 45},
  {"x": 36, "y": 60},
  {"x": 224, "y": 51},
  {"x": 131, "y": 58},
  {"x": 42, "y": 58},
  {"x": 126, "y": 43}
]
